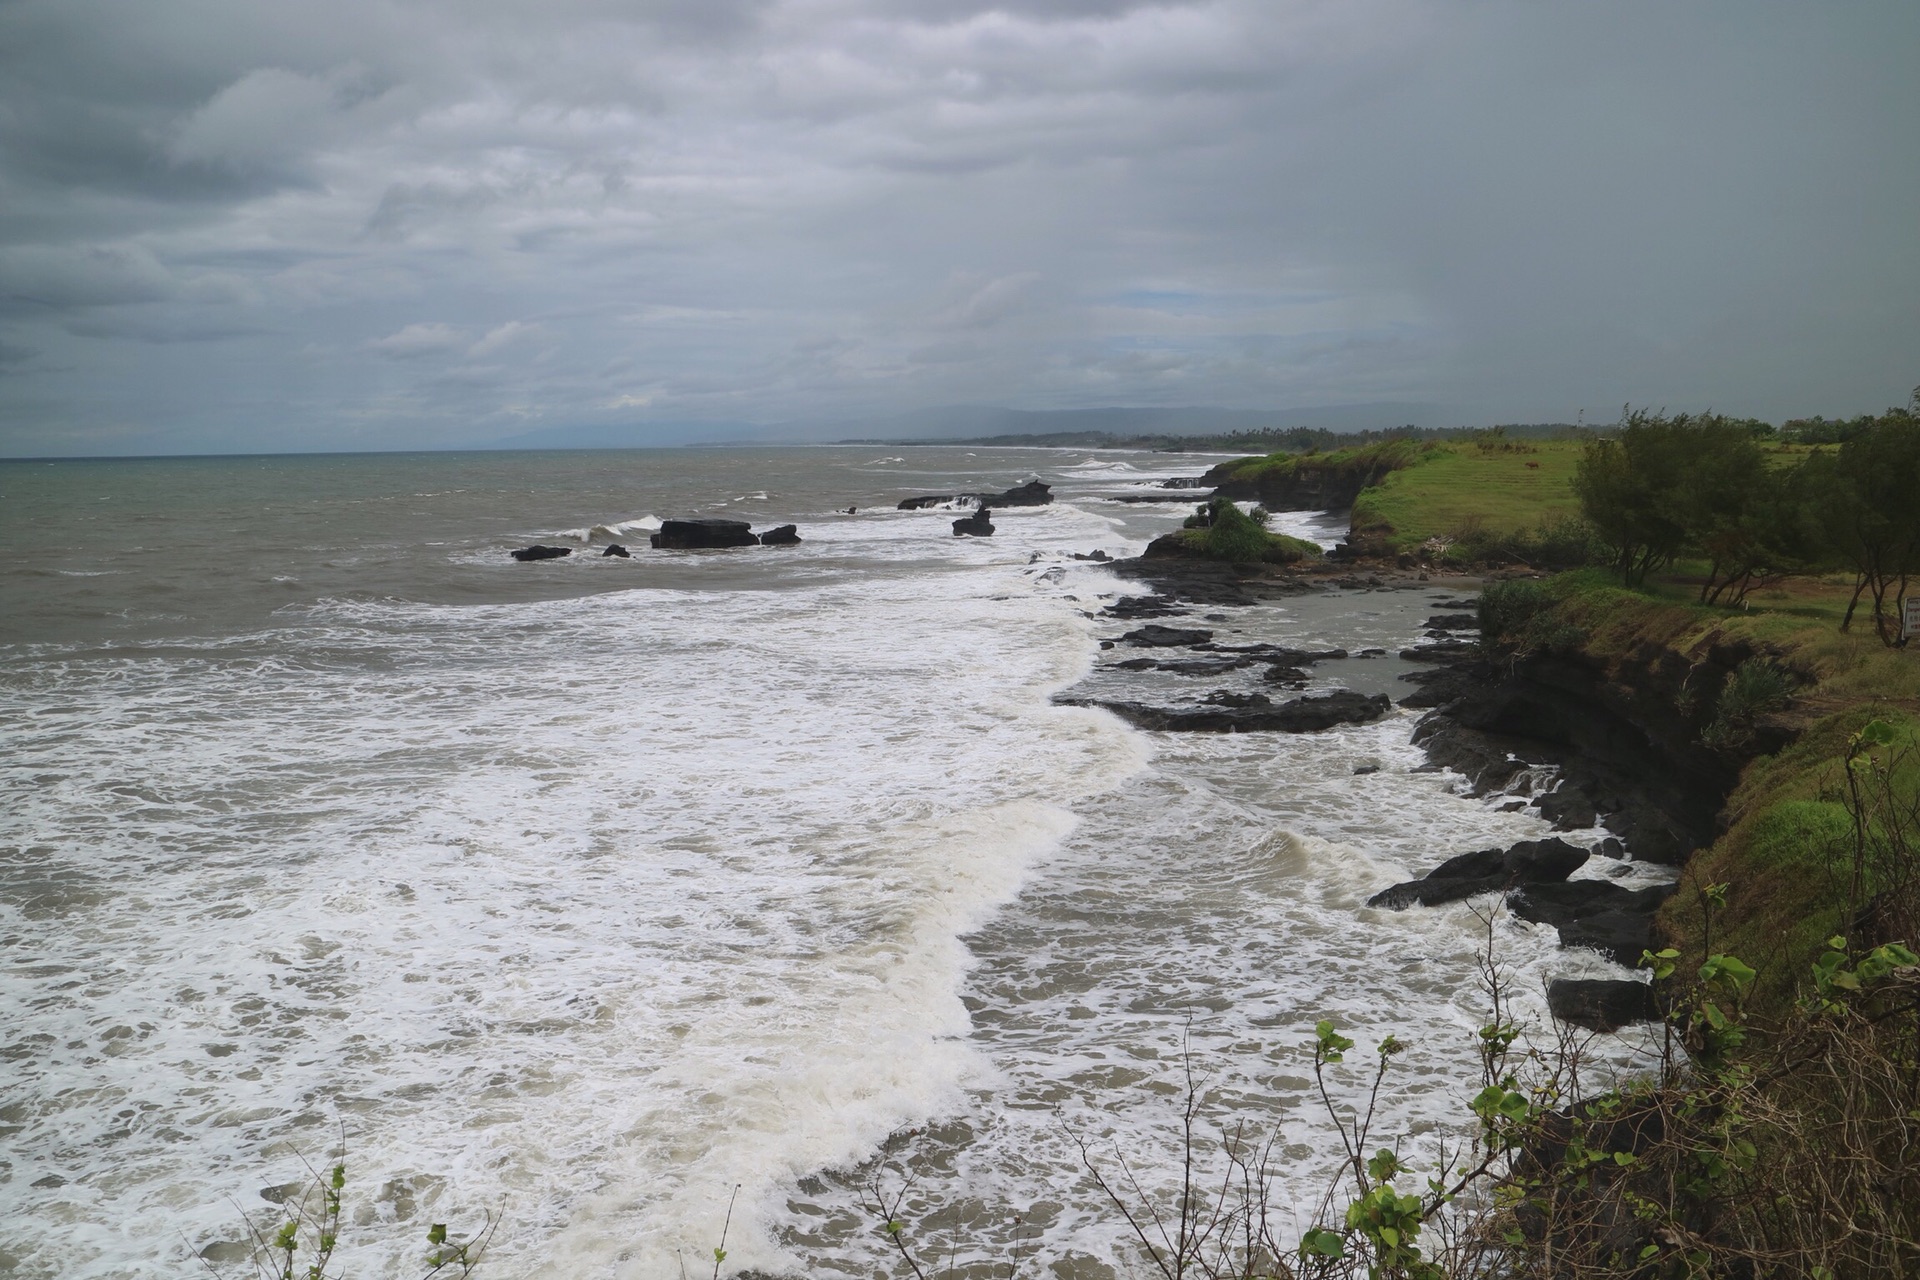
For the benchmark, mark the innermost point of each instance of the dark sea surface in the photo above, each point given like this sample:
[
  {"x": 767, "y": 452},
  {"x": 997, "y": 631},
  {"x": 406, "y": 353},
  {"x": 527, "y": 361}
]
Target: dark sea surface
[{"x": 590, "y": 890}]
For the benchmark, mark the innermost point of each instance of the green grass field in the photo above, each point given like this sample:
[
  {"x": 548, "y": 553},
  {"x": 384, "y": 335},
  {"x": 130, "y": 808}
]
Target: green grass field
[{"x": 1461, "y": 489}]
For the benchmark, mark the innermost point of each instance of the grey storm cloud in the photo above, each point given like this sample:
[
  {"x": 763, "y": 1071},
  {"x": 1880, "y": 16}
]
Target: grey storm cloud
[{"x": 234, "y": 224}]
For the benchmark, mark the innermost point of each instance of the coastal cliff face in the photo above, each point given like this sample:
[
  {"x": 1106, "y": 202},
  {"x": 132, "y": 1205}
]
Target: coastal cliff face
[
  {"x": 1626, "y": 734},
  {"x": 1311, "y": 481}
]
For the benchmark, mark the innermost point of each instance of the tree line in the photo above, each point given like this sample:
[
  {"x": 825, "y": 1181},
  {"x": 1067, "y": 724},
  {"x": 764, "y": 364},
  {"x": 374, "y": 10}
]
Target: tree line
[{"x": 1660, "y": 487}]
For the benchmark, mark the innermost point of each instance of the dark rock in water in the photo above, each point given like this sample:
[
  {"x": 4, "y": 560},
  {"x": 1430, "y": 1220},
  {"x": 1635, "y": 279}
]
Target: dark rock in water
[
  {"x": 1601, "y": 1004},
  {"x": 1187, "y": 482},
  {"x": 1131, "y": 608},
  {"x": 1442, "y": 651},
  {"x": 1567, "y": 808},
  {"x": 1096, "y": 554},
  {"x": 1565, "y": 901},
  {"x": 1231, "y": 698},
  {"x": 538, "y": 552},
  {"x": 974, "y": 526},
  {"x": 1205, "y": 666},
  {"x": 1302, "y": 715},
  {"x": 785, "y": 535},
  {"x": 1135, "y": 664},
  {"x": 1483, "y": 871},
  {"x": 1618, "y": 935},
  {"x": 1488, "y": 761},
  {"x": 1155, "y": 636},
  {"x": 1371, "y": 653},
  {"x": 615, "y": 549},
  {"x": 1454, "y": 622},
  {"x": 1282, "y": 653},
  {"x": 1285, "y": 675},
  {"x": 1652, "y": 834},
  {"x": 1361, "y": 770},
  {"x": 702, "y": 533},
  {"x": 1033, "y": 493}
]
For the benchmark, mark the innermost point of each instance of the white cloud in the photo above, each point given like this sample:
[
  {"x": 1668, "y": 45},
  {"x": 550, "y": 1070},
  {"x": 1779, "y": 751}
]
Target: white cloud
[
  {"x": 500, "y": 337},
  {"x": 416, "y": 340}
]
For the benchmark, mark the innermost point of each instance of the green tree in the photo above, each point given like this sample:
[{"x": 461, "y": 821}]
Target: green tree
[
  {"x": 1866, "y": 500},
  {"x": 1659, "y": 486}
]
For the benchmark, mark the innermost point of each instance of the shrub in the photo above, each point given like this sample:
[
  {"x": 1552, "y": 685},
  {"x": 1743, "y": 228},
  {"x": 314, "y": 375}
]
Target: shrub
[
  {"x": 1518, "y": 619},
  {"x": 1756, "y": 687},
  {"x": 1219, "y": 530}
]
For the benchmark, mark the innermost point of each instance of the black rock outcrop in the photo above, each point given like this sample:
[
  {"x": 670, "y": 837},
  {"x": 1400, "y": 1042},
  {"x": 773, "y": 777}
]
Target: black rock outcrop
[
  {"x": 1250, "y": 713},
  {"x": 785, "y": 535},
  {"x": 615, "y": 549},
  {"x": 539, "y": 552},
  {"x": 703, "y": 533},
  {"x": 1601, "y": 1004},
  {"x": 1528, "y": 862},
  {"x": 1034, "y": 493},
  {"x": 974, "y": 526},
  {"x": 1155, "y": 636}
]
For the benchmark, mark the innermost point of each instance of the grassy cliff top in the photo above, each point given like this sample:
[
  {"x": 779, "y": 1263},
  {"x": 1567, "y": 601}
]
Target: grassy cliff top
[{"x": 1462, "y": 489}]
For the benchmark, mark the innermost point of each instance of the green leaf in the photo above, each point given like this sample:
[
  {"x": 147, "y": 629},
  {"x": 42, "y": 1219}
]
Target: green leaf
[
  {"x": 1729, "y": 969},
  {"x": 1876, "y": 733},
  {"x": 437, "y": 1234},
  {"x": 1322, "y": 1244},
  {"x": 1328, "y": 1043}
]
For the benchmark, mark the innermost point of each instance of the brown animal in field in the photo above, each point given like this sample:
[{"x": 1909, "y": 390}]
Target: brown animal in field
[{"x": 1533, "y": 466}]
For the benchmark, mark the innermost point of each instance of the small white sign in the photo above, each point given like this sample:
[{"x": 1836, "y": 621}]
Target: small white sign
[{"x": 1910, "y": 619}]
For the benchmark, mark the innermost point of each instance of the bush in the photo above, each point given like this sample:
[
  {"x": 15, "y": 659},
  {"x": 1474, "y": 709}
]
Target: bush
[
  {"x": 1567, "y": 543},
  {"x": 1518, "y": 619},
  {"x": 1756, "y": 687},
  {"x": 1219, "y": 530}
]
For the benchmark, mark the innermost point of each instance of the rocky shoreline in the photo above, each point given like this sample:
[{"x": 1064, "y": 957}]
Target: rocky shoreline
[{"x": 1604, "y": 767}]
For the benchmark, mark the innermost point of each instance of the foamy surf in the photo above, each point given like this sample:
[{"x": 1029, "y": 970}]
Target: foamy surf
[{"x": 590, "y": 890}]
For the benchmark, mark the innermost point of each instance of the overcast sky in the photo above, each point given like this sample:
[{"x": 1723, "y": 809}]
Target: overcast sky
[{"x": 253, "y": 224}]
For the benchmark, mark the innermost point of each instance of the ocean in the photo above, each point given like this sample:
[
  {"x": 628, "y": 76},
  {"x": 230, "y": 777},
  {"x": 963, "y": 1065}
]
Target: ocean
[{"x": 693, "y": 898}]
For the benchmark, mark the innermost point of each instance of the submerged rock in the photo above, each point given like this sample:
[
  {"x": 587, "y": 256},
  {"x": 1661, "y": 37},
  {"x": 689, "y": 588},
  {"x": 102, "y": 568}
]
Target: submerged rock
[
  {"x": 702, "y": 533},
  {"x": 615, "y": 549},
  {"x": 539, "y": 552}
]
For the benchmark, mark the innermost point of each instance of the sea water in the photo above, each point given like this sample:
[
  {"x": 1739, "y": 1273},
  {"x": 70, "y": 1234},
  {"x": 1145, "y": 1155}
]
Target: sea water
[{"x": 658, "y": 903}]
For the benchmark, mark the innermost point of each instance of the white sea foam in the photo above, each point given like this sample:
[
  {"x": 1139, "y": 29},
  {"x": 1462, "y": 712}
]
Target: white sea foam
[{"x": 595, "y": 908}]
